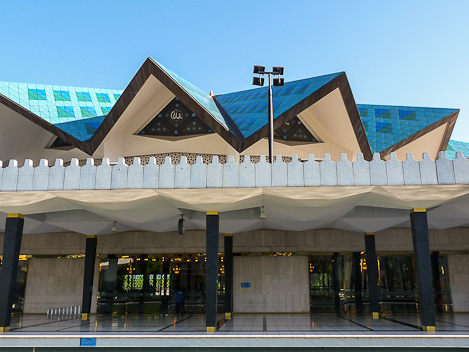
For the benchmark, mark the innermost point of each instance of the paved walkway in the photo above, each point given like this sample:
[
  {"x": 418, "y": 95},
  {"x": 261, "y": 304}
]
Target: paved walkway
[
  {"x": 252, "y": 332},
  {"x": 241, "y": 324}
]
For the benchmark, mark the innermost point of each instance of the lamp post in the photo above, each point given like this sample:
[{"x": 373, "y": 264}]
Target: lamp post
[{"x": 279, "y": 81}]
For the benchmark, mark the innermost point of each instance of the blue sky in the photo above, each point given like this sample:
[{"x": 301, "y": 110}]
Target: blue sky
[{"x": 398, "y": 53}]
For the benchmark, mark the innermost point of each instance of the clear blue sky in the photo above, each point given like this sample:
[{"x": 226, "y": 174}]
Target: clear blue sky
[{"x": 394, "y": 52}]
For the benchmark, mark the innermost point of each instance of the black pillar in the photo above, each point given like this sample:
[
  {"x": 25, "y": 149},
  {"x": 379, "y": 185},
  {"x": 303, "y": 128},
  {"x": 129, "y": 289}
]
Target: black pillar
[
  {"x": 110, "y": 283},
  {"x": 372, "y": 270},
  {"x": 228, "y": 275},
  {"x": 90, "y": 257},
  {"x": 165, "y": 281},
  {"x": 336, "y": 269},
  {"x": 437, "y": 284},
  {"x": 357, "y": 281},
  {"x": 11, "y": 251},
  {"x": 423, "y": 268},
  {"x": 211, "y": 270}
]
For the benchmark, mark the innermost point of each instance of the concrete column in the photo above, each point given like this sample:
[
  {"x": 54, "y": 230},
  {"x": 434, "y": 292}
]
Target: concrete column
[
  {"x": 228, "y": 275},
  {"x": 437, "y": 281},
  {"x": 372, "y": 270},
  {"x": 423, "y": 269},
  {"x": 110, "y": 283},
  {"x": 90, "y": 257},
  {"x": 211, "y": 270},
  {"x": 357, "y": 281},
  {"x": 336, "y": 269},
  {"x": 11, "y": 251}
]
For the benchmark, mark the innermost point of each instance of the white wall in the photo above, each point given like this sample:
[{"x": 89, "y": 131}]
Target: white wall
[
  {"x": 458, "y": 268},
  {"x": 278, "y": 284},
  {"x": 56, "y": 283}
]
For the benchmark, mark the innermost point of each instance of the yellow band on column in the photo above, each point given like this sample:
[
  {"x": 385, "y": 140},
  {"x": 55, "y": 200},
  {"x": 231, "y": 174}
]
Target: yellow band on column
[
  {"x": 91, "y": 236},
  {"x": 418, "y": 210},
  {"x": 15, "y": 215},
  {"x": 212, "y": 212},
  {"x": 428, "y": 328},
  {"x": 227, "y": 316},
  {"x": 369, "y": 233},
  {"x": 375, "y": 315},
  {"x": 4, "y": 328},
  {"x": 84, "y": 316},
  {"x": 210, "y": 329},
  {"x": 228, "y": 235}
]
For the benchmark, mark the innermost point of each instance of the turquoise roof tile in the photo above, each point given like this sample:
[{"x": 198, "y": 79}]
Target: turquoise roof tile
[
  {"x": 404, "y": 121},
  {"x": 456, "y": 146},
  {"x": 61, "y": 106}
]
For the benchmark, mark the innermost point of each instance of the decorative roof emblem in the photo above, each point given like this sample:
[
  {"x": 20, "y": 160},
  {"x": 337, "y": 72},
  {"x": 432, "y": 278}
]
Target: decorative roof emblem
[{"x": 176, "y": 114}]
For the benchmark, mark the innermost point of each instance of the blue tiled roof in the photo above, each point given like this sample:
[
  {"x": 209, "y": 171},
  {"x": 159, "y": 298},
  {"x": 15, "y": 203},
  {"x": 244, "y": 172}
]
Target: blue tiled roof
[
  {"x": 387, "y": 125},
  {"x": 199, "y": 95},
  {"x": 248, "y": 109},
  {"x": 80, "y": 111},
  {"x": 77, "y": 111},
  {"x": 456, "y": 146}
]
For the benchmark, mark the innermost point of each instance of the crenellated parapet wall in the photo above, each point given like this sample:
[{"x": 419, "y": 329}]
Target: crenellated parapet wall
[{"x": 296, "y": 173}]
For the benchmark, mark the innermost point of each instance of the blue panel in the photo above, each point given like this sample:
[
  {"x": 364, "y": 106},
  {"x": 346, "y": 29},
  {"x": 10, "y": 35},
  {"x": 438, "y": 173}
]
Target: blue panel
[
  {"x": 456, "y": 146},
  {"x": 62, "y": 95},
  {"x": 249, "y": 109},
  {"x": 81, "y": 129},
  {"x": 103, "y": 97},
  {"x": 387, "y": 125},
  {"x": 87, "y": 342},
  {"x": 84, "y": 96}
]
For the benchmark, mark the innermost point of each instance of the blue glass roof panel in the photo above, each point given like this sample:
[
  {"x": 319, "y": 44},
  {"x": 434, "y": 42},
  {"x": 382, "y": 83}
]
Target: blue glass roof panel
[
  {"x": 199, "y": 95},
  {"x": 249, "y": 109},
  {"x": 456, "y": 146},
  {"x": 62, "y": 106},
  {"x": 386, "y": 125}
]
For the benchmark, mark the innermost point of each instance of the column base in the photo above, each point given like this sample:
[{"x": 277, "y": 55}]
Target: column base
[
  {"x": 227, "y": 316},
  {"x": 84, "y": 316},
  {"x": 375, "y": 315},
  {"x": 4, "y": 328},
  {"x": 428, "y": 328},
  {"x": 210, "y": 329}
]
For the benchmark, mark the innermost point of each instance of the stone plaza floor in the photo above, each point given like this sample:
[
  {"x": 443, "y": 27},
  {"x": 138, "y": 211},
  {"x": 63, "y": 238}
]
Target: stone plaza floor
[
  {"x": 240, "y": 324},
  {"x": 251, "y": 331}
]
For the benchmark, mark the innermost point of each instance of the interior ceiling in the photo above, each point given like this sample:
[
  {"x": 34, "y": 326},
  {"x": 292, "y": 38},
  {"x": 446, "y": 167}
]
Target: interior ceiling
[{"x": 357, "y": 208}]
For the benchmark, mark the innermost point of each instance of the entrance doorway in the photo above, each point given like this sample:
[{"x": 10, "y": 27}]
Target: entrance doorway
[
  {"x": 339, "y": 283},
  {"x": 148, "y": 284}
]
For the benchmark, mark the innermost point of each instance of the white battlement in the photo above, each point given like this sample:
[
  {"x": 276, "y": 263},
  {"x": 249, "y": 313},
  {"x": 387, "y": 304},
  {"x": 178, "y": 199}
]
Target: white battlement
[{"x": 296, "y": 173}]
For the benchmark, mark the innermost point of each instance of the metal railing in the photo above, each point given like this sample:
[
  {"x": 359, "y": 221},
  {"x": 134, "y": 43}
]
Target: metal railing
[{"x": 72, "y": 310}]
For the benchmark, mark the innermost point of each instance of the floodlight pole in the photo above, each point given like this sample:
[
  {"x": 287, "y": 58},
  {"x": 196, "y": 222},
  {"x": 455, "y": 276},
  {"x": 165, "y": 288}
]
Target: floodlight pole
[{"x": 271, "y": 123}]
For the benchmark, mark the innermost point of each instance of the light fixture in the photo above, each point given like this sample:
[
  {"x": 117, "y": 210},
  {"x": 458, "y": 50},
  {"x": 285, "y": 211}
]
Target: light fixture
[
  {"x": 262, "y": 215},
  {"x": 257, "y": 81},
  {"x": 114, "y": 227},
  {"x": 182, "y": 225},
  {"x": 259, "y": 69},
  {"x": 278, "y": 70},
  {"x": 277, "y": 82}
]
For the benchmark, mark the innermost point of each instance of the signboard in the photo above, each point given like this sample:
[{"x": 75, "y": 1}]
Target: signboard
[
  {"x": 245, "y": 284},
  {"x": 87, "y": 342}
]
